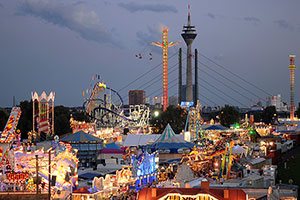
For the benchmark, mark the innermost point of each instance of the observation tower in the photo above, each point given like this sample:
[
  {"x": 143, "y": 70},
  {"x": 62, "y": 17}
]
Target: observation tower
[{"x": 189, "y": 34}]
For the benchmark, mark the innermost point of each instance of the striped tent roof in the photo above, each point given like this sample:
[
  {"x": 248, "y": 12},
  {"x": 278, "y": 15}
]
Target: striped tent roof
[
  {"x": 168, "y": 136},
  {"x": 169, "y": 140}
]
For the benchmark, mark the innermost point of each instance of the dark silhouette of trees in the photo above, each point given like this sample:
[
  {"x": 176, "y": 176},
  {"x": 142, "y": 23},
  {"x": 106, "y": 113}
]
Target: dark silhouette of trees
[
  {"x": 3, "y": 118},
  {"x": 229, "y": 115},
  {"x": 175, "y": 116},
  {"x": 25, "y": 122},
  {"x": 297, "y": 112},
  {"x": 269, "y": 114},
  {"x": 62, "y": 120}
]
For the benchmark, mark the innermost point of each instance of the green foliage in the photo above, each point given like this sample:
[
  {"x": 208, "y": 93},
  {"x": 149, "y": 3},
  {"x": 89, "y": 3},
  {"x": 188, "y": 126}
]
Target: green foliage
[
  {"x": 3, "y": 118},
  {"x": 229, "y": 115},
  {"x": 175, "y": 116},
  {"x": 269, "y": 114},
  {"x": 62, "y": 120},
  {"x": 297, "y": 112},
  {"x": 80, "y": 116},
  {"x": 25, "y": 122},
  {"x": 253, "y": 135}
]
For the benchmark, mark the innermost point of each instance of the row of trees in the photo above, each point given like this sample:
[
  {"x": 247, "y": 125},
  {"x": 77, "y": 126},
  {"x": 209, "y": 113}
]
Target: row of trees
[
  {"x": 228, "y": 115},
  {"x": 61, "y": 118},
  {"x": 176, "y": 116}
]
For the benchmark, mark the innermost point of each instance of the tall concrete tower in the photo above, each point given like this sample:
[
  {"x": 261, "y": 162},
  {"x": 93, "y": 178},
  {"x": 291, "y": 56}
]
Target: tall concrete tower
[
  {"x": 189, "y": 34},
  {"x": 292, "y": 68}
]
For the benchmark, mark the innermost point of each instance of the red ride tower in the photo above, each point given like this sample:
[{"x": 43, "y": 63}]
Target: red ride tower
[
  {"x": 292, "y": 68},
  {"x": 165, "y": 46}
]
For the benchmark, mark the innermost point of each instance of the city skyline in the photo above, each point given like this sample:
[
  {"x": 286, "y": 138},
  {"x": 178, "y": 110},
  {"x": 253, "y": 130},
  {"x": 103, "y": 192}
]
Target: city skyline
[{"x": 54, "y": 46}]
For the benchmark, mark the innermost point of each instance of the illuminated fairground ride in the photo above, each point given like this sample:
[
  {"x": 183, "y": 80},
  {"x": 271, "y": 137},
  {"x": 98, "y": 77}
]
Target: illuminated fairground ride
[
  {"x": 193, "y": 121},
  {"x": 104, "y": 105},
  {"x": 20, "y": 166},
  {"x": 219, "y": 162},
  {"x": 43, "y": 113},
  {"x": 9, "y": 132}
]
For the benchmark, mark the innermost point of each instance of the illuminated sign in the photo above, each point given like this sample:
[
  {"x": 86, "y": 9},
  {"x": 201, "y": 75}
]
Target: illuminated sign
[
  {"x": 188, "y": 197},
  {"x": 186, "y": 104},
  {"x": 17, "y": 176}
]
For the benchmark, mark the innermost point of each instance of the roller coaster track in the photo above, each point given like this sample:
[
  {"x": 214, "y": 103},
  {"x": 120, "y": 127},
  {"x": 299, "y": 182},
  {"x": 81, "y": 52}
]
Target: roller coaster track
[{"x": 108, "y": 112}]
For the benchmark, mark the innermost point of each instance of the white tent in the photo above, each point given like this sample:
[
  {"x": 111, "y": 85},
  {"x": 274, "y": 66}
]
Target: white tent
[
  {"x": 139, "y": 139},
  {"x": 237, "y": 149}
]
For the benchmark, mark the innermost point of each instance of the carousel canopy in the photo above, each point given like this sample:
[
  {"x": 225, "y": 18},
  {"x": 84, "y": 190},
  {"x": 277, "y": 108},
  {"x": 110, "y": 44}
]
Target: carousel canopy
[
  {"x": 217, "y": 127},
  {"x": 81, "y": 137},
  {"x": 169, "y": 141}
]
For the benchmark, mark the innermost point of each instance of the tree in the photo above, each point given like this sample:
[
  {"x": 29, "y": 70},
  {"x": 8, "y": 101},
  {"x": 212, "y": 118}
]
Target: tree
[
  {"x": 298, "y": 112},
  {"x": 229, "y": 115},
  {"x": 175, "y": 116},
  {"x": 3, "y": 118},
  {"x": 269, "y": 114},
  {"x": 61, "y": 120},
  {"x": 80, "y": 115},
  {"x": 25, "y": 121}
]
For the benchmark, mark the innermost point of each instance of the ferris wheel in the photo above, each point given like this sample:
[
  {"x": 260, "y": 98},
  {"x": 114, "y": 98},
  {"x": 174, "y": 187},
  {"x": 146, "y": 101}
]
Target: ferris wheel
[{"x": 103, "y": 104}]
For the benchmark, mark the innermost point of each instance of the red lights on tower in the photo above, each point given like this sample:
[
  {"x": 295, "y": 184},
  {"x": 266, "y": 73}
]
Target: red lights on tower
[
  {"x": 292, "y": 68},
  {"x": 165, "y": 44}
]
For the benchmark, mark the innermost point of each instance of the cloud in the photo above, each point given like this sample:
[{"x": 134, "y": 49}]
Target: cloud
[
  {"x": 107, "y": 3},
  {"x": 212, "y": 16},
  {"x": 252, "y": 19},
  {"x": 75, "y": 16},
  {"x": 284, "y": 24},
  {"x": 135, "y": 7},
  {"x": 152, "y": 35},
  {"x": 1, "y": 5}
]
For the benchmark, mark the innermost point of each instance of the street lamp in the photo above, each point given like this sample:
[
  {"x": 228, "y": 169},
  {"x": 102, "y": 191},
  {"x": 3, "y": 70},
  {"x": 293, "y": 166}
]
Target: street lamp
[
  {"x": 156, "y": 113},
  {"x": 49, "y": 171}
]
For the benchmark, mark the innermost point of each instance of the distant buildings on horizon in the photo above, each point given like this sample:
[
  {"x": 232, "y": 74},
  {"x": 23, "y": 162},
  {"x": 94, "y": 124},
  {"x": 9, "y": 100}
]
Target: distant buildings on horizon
[{"x": 137, "y": 97}]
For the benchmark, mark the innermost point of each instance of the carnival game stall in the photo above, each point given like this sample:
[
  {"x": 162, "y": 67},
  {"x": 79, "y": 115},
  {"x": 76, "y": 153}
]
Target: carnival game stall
[
  {"x": 113, "y": 185},
  {"x": 26, "y": 166},
  {"x": 82, "y": 126}
]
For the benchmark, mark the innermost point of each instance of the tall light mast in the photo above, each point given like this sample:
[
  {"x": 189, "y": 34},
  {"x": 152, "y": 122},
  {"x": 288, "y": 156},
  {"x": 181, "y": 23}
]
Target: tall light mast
[
  {"x": 165, "y": 46},
  {"x": 292, "y": 68}
]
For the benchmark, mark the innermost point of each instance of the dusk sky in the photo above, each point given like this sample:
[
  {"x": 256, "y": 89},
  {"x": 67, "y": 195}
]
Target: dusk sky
[{"x": 57, "y": 45}]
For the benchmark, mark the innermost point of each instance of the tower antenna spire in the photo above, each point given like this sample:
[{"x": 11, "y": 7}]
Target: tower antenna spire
[{"x": 189, "y": 15}]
